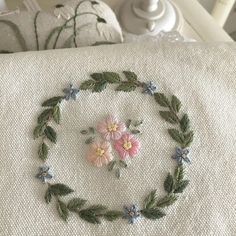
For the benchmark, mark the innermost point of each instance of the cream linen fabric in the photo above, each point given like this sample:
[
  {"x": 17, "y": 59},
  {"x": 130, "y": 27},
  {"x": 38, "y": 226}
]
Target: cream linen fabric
[{"x": 201, "y": 75}]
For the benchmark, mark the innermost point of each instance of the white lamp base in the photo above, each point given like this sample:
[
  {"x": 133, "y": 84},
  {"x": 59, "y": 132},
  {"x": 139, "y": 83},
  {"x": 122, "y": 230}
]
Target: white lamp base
[{"x": 166, "y": 17}]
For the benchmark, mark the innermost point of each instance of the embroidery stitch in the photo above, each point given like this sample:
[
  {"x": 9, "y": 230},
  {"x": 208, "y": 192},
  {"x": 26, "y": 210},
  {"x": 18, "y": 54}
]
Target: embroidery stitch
[
  {"x": 63, "y": 11},
  {"x": 68, "y": 21},
  {"x": 45, "y": 174},
  {"x": 17, "y": 33},
  {"x": 36, "y": 30},
  {"x": 111, "y": 128},
  {"x": 115, "y": 134},
  {"x": 174, "y": 184},
  {"x": 74, "y": 26}
]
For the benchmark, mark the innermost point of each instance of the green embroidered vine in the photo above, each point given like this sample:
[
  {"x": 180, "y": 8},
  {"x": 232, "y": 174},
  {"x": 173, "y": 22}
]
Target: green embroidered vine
[
  {"x": 68, "y": 41},
  {"x": 51, "y": 34},
  {"x": 36, "y": 30},
  {"x": 153, "y": 206},
  {"x": 17, "y": 33},
  {"x": 68, "y": 21},
  {"x": 56, "y": 31}
]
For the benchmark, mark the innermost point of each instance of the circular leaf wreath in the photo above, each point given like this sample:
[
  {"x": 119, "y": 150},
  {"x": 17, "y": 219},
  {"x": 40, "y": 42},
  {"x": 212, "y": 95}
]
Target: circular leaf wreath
[{"x": 153, "y": 206}]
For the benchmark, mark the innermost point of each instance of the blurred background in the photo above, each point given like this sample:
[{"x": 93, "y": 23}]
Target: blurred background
[
  {"x": 230, "y": 24},
  {"x": 221, "y": 10}
]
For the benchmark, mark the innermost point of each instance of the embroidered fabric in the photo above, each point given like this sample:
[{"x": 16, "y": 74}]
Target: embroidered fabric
[{"x": 201, "y": 75}]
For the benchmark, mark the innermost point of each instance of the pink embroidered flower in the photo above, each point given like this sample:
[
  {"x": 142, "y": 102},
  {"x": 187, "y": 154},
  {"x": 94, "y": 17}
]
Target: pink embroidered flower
[
  {"x": 111, "y": 128},
  {"x": 100, "y": 154},
  {"x": 127, "y": 146}
]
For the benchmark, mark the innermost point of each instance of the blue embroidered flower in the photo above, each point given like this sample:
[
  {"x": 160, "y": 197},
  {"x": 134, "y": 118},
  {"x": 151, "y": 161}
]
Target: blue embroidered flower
[
  {"x": 181, "y": 155},
  {"x": 149, "y": 88},
  {"x": 45, "y": 174},
  {"x": 132, "y": 213},
  {"x": 70, "y": 93}
]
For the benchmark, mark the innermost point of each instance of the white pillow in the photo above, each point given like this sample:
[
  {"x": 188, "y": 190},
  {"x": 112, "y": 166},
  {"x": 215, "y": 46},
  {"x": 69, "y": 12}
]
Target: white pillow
[{"x": 33, "y": 30}]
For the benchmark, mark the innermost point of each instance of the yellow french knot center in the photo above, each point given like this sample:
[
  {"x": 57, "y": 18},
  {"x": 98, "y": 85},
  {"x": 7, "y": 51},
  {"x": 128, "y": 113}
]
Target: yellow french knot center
[
  {"x": 100, "y": 152},
  {"x": 112, "y": 127},
  {"x": 127, "y": 145}
]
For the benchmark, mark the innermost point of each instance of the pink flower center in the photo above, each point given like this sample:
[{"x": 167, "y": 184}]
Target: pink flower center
[
  {"x": 127, "y": 145},
  {"x": 112, "y": 127},
  {"x": 100, "y": 152}
]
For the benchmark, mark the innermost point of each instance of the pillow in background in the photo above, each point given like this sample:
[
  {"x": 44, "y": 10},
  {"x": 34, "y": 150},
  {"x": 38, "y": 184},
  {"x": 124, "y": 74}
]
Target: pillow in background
[{"x": 95, "y": 23}]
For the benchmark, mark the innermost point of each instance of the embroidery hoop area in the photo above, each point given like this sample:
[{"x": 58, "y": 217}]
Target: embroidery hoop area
[{"x": 153, "y": 206}]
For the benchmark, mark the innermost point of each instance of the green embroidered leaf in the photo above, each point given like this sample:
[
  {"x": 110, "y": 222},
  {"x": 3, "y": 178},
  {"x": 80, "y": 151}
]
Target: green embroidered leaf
[
  {"x": 89, "y": 216},
  {"x": 138, "y": 123},
  {"x": 176, "y": 135},
  {"x": 38, "y": 131},
  {"x": 101, "y": 20},
  {"x": 43, "y": 151},
  {"x": 62, "y": 210},
  {"x": 169, "y": 116},
  {"x": 50, "y": 134},
  {"x": 89, "y": 140},
  {"x": 153, "y": 213},
  {"x": 97, "y": 208},
  {"x": 161, "y": 99},
  {"x": 111, "y": 165},
  {"x": 126, "y": 87},
  {"x": 175, "y": 104},
  {"x": 56, "y": 114},
  {"x": 179, "y": 173},
  {"x": 45, "y": 115},
  {"x": 52, "y": 102},
  {"x": 128, "y": 123},
  {"x": 184, "y": 123},
  {"x": 94, "y": 3},
  {"x": 91, "y": 130},
  {"x": 150, "y": 200},
  {"x": 135, "y": 131},
  {"x": 123, "y": 164},
  {"x": 48, "y": 196},
  {"x": 60, "y": 189},
  {"x": 167, "y": 201},
  {"x": 169, "y": 183},
  {"x": 130, "y": 76},
  {"x": 75, "y": 204},
  {"x": 113, "y": 215},
  {"x": 97, "y": 77},
  {"x": 117, "y": 173},
  {"x": 188, "y": 138},
  {"x": 111, "y": 77},
  {"x": 89, "y": 84},
  {"x": 181, "y": 186},
  {"x": 99, "y": 87},
  {"x": 84, "y": 131}
]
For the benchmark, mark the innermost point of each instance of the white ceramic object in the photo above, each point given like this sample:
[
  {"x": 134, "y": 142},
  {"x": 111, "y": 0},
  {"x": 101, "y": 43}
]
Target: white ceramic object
[{"x": 150, "y": 16}]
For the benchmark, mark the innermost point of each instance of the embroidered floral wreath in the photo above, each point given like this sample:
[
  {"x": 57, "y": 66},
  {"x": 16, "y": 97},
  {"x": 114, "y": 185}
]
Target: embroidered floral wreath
[{"x": 122, "y": 136}]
